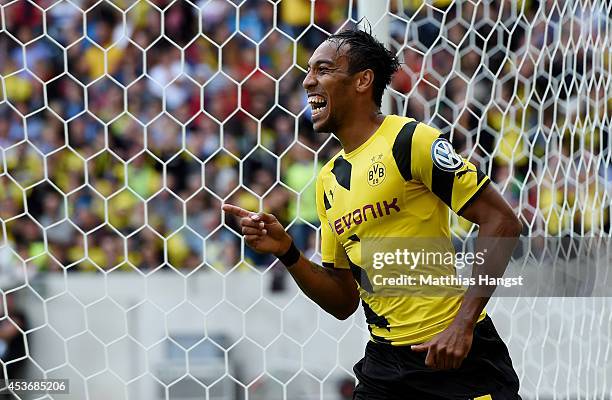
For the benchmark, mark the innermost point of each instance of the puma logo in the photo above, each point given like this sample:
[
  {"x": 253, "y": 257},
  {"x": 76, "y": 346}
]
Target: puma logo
[{"x": 463, "y": 172}]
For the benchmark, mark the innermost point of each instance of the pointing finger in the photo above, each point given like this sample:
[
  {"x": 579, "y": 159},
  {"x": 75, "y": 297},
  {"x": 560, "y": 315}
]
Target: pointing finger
[{"x": 235, "y": 210}]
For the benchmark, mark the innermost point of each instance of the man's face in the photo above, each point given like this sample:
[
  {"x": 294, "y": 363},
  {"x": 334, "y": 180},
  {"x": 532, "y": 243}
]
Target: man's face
[{"x": 328, "y": 87}]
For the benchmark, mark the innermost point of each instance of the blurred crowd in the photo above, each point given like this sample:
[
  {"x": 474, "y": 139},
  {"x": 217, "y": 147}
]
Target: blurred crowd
[{"x": 124, "y": 128}]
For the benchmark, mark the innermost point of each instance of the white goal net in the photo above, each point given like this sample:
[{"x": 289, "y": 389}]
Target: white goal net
[{"x": 125, "y": 124}]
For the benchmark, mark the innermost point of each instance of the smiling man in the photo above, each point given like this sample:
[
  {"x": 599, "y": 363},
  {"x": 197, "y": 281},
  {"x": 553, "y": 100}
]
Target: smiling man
[{"x": 394, "y": 177}]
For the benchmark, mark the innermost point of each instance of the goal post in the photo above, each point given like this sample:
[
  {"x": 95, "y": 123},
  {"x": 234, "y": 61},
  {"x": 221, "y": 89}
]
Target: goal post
[{"x": 375, "y": 13}]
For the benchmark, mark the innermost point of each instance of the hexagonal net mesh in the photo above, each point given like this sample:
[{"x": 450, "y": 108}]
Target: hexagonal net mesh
[{"x": 124, "y": 125}]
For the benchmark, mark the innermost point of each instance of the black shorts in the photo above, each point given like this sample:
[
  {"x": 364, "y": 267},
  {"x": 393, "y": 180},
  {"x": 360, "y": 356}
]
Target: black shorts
[{"x": 398, "y": 373}]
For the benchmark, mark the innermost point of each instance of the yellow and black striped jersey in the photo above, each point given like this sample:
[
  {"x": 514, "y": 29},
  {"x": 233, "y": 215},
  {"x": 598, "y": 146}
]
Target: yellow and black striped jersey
[{"x": 400, "y": 183}]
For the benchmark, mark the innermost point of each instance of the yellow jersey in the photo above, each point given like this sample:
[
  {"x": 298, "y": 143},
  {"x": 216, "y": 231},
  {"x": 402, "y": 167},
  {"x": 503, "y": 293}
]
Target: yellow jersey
[{"x": 400, "y": 183}]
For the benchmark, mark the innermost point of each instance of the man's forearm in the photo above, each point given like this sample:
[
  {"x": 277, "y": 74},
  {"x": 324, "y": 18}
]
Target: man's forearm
[
  {"x": 496, "y": 241},
  {"x": 333, "y": 290}
]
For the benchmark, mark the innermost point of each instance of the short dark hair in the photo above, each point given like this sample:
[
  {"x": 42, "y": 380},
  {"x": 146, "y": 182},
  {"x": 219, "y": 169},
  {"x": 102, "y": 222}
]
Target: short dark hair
[{"x": 365, "y": 52}]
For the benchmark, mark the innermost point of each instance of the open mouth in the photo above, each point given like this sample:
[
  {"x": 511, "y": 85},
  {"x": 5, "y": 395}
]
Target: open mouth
[{"x": 318, "y": 104}]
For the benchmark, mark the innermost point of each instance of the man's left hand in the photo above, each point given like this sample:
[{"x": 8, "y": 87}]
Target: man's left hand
[{"x": 449, "y": 348}]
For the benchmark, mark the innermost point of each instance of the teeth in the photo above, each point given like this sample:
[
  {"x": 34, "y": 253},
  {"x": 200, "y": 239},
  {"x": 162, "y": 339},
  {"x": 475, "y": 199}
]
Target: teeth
[
  {"x": 316, "y": 111},
  {"x": 316, "y": 99},
  {"x": 316, "y": 104}
]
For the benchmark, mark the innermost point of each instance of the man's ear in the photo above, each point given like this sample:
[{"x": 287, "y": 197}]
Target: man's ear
[{"x": 364, "y": 80}]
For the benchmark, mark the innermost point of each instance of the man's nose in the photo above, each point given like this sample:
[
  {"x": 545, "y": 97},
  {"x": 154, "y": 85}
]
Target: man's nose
[{"x": 309, "y": 81}]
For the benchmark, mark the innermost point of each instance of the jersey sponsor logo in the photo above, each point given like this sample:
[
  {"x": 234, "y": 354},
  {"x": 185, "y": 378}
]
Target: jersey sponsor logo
[
  {"x": 360, "y": 215},
  {"x": 376, "y": 174},
  {"x": 444, "y": 156}
]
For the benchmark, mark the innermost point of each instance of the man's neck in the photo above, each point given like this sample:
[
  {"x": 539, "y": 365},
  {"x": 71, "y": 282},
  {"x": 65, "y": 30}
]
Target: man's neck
[{"x": 359, "y": 130}]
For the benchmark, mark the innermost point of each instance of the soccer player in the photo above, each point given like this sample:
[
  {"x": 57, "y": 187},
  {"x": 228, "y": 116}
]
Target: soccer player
[{"x": 394, "y": 177}]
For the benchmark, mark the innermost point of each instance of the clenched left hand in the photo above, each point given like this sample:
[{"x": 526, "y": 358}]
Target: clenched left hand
[{"x": 449, "y": 348}]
